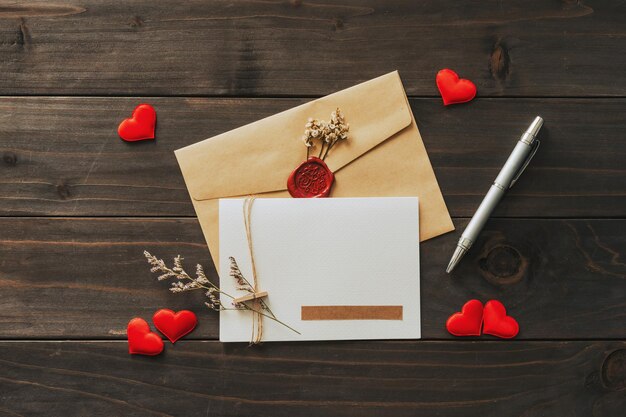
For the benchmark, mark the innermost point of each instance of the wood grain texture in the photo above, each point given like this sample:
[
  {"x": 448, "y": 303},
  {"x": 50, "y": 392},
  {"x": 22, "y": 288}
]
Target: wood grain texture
[
  {"x": 86, "y": 278},
  {"x": 554, "y": 254},
  {"x": 251, "y": 48},
  {"x": 448, "y": 379},
  {"x": 62, "y": 156}
]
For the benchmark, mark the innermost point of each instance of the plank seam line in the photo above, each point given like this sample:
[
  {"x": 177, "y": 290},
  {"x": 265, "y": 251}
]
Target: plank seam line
[
  {"x": 296, "y": 96},
  {"x": 176, "y": 217},
  {"x": 475, "y": 341}
]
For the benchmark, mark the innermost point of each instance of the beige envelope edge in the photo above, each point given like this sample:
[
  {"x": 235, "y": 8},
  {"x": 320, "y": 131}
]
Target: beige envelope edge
[{"x": 384, "y": 156}]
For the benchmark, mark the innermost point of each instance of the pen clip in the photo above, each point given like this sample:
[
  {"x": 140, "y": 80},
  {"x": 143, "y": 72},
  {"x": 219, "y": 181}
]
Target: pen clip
[{"x": 532, "y": 153}]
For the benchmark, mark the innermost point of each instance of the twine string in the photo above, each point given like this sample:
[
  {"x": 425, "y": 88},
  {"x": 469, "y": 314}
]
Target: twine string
[{"x": 257, "y": 317}]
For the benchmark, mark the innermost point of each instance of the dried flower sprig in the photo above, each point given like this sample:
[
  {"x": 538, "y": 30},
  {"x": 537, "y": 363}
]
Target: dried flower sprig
[
  {"x": 243, "y": 283},
  {"x": 336, "y": 130},
  {"x": 184, "y": 282},
  {"x": 313, "y": 129},
  {"x": 328, "y": 133}
]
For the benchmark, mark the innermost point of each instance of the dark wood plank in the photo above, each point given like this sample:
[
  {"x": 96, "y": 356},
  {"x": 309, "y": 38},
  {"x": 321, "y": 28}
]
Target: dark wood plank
[
  {"x": 86, "y": 278},
  {"x": 62, "y": 156},
  {"x": 521, "y": 48},
  {"x": 487, "y": 379}
]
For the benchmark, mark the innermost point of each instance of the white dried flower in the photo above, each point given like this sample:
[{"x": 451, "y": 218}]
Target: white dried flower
[
  {"x": 200, "y": 275},
  {"x": 338, "y": 128},
  {"x": 313, "y": 129}
]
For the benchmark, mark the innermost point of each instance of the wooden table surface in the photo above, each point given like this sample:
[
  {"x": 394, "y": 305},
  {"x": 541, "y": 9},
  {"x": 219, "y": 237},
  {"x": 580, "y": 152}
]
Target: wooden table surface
[{"x": 78, "y": 205}]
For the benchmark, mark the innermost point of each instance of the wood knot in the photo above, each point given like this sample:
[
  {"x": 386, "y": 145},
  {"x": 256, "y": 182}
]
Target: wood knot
[
  {"x": 136, "y": 22},
  {"x": 9, "y": 158},
  {"x": 23, "y": 39},
  {"x": 18, "y": 39},
  {"x": 499, "y": 63},
  {"x": 338, "y": 22},
  {"x": 614, "y": 370},
  {"x": 503, "y": 265},
  {"x": 64, "y": 191},
  {"x": 296, "y": 3}
]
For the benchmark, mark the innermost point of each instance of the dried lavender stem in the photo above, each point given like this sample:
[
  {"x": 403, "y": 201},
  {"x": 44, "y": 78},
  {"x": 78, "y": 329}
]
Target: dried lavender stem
[
  {"x": 247, "y": 307},
  {"x": 182, "y": 274}
]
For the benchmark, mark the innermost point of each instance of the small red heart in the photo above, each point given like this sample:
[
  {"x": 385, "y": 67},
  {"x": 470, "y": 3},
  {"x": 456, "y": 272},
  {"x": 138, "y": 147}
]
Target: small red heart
[
  {"x": 141, "y": 341},
  {"x": 497, "y": 323},
  {"x": 453, "y": 89},
  {"x": 140, "y": 126},
  {"x": 174, "y": 325},
  {"x": 468, "y": 321}
]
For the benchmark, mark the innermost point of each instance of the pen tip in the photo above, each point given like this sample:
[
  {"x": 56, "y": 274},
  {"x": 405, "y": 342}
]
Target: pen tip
[{"x": 456, "y": 257}]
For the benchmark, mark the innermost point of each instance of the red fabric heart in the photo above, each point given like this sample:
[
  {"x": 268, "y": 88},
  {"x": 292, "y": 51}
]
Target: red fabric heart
[
  {"x": 140, "y": 126},
  {"x": 497, "y": 323},
  {"x": 454, "y": 90},
  {"x": 141, "y": 341},
  {"x": 468, "y": 321},
  {"x": 174, "y": 325}
]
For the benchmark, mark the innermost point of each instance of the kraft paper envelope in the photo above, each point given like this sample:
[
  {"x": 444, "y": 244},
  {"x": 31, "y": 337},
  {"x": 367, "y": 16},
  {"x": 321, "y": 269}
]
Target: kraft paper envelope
[
  {"x": 383, "y": 156},
  {"x": 333, "y": 268}
]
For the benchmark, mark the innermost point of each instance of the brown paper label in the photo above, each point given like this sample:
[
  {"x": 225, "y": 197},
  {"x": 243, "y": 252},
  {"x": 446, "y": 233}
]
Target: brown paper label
[{"x": 351, "y": 313}]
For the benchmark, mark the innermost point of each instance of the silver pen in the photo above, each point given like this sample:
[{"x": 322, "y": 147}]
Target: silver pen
[{"x": 518, "y": 161}]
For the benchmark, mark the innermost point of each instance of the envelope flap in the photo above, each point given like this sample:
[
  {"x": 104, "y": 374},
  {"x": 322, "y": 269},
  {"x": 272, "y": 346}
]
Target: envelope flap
[{"x": 259, "y": 157}]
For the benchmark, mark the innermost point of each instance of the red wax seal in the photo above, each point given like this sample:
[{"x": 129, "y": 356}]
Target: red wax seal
[{"x": 312, "y": 179}]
